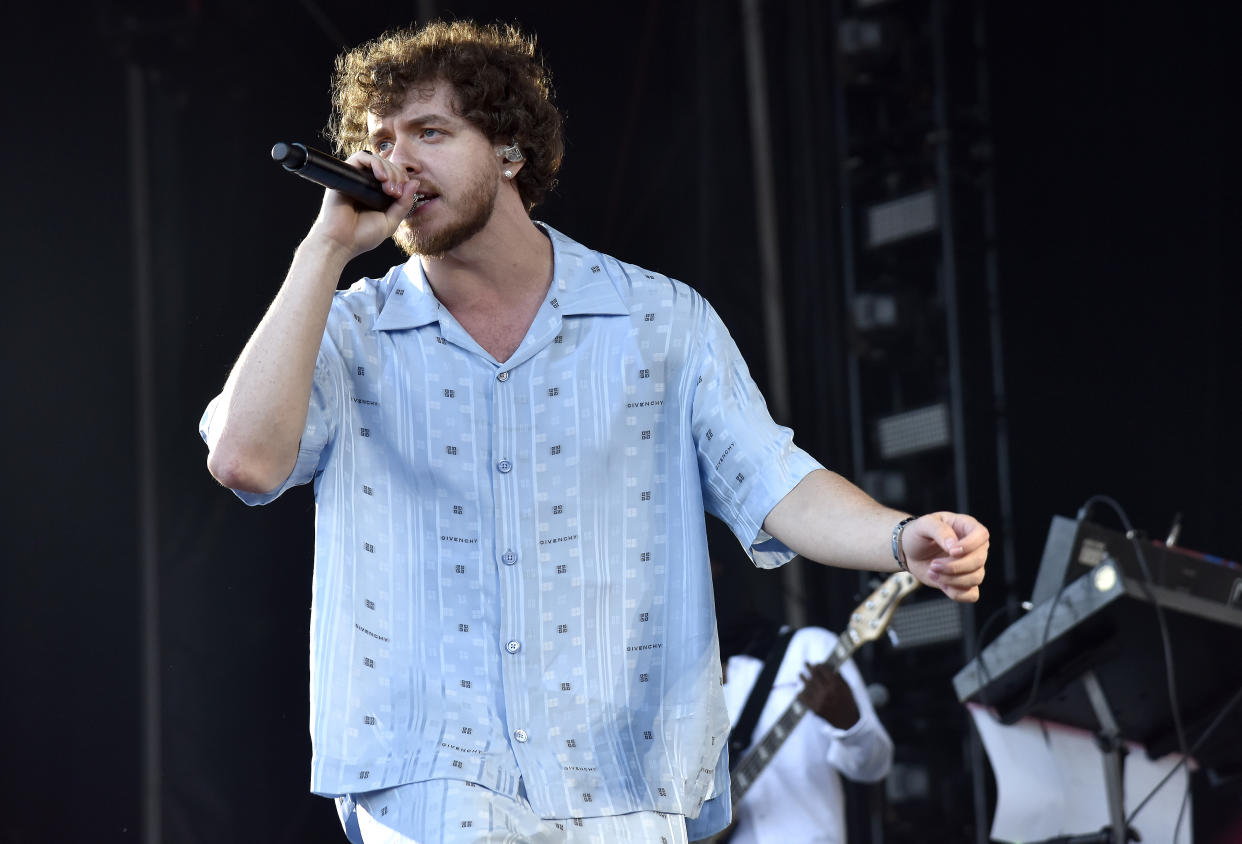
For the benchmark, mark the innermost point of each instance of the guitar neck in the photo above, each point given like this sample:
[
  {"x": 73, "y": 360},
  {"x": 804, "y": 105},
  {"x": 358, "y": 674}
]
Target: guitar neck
[
  {"x": 756, "y": 759},
  {"x": 867, "y": 623}
]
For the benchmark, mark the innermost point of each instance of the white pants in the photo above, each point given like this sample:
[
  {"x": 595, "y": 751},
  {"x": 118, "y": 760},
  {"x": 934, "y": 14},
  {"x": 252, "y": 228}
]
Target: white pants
[{"x": 456, "y": 812}]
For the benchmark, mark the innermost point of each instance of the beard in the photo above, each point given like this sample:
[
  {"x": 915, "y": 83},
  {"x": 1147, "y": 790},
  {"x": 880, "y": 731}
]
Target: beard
[{"x": 477, "y": 202}]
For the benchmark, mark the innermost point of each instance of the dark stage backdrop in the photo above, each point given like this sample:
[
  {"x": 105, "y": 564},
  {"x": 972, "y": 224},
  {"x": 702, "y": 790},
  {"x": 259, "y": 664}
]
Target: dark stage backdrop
[{"x": 1118, "y": 221}]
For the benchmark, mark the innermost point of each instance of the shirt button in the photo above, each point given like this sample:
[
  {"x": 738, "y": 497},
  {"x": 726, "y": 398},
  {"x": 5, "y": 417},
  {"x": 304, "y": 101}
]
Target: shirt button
[
  {"x": 520, "y": 735},
  {"x": 504, "y": 376},
  {"x": 504, "y": 466},
  {"x": 513, "y": 647},
  {"x": 509, "y": 558}
]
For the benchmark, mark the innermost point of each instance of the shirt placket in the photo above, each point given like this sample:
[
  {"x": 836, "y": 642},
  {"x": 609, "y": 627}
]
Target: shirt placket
[{"x": 510, "y": 474}]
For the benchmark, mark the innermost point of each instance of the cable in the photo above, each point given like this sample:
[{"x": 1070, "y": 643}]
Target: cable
[
  {"x": 1039, "y": 661},
  {"x": 1146, "y": 584},
  {"x": 1169, "y": 673},
  {"x": 983, "y": 668},
  {"x": 1216, "y": 722}
]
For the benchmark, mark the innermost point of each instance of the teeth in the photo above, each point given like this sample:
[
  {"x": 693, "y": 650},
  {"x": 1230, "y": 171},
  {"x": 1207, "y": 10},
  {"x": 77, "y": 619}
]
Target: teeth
[{"x": 419, "y": 201}]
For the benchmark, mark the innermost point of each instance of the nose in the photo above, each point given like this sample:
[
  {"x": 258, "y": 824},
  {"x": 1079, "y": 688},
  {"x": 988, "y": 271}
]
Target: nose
[{"x": 405, "y": 154}]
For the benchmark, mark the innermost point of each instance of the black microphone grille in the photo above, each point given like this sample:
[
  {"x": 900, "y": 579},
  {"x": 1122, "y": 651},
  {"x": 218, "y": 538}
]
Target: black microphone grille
[{"x": 291, "y": 156}]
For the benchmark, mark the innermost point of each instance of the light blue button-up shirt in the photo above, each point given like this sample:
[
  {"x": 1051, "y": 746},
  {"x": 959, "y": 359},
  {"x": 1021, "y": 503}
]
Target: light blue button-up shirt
[{"x": 511, "y": 575}]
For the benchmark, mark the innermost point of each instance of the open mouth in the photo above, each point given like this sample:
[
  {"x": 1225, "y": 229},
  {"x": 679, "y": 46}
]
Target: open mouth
[{"x": 421, "y": 199}]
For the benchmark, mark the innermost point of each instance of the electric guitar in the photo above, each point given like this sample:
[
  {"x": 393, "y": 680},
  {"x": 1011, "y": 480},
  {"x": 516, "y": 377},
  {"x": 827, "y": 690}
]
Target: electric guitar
[{"x": 867, "y": 623}]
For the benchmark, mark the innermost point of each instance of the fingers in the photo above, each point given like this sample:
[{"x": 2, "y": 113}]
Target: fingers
[
  {"x": 963, "y": 596},
  {"x": 970, "y": 533},
  {"x": 960, "y": 578},
  {"x": 941, "y": 532},
  {"x": 954, "y": 531},
  {"x": 962, "y": 564},
  {"x": 959, "y": 572},
  {"x": 822, "y": 675},
  {"x": 953, "y": 534},
  {"x": 392, "y": 178},
  {"x": 395, "y": 181},
  {"x": 826, "y": 694},
  {"x": 388, "y": 174},
  {"x": 930, "y": 536},
  {"x": 400, "y": 208}
]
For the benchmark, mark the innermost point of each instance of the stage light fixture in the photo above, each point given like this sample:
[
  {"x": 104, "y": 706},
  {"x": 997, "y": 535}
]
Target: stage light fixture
[
  {"x": 856, "y": 36},
  {"x": 923, "y": 623},
  {"x": 901, "y": 218},
  {"x": 875, "y": 311},
  {"x": 913, "y": 431}
]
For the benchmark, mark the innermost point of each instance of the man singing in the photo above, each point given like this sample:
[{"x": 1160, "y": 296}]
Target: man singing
[{"x": 513, "y": 439}]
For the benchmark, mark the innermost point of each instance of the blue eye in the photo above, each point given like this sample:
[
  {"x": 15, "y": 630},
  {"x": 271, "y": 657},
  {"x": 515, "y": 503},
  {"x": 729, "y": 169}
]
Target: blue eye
[
  {"x": 431, "y": 133},
  {"x": 383, "y": 146}
]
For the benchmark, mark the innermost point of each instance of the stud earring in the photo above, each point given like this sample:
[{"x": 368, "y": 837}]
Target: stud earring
[{"x": 508, "y": 174}]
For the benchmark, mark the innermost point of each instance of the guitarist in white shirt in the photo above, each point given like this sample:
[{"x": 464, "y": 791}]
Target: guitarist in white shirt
[{"x": 798, "y": 797}]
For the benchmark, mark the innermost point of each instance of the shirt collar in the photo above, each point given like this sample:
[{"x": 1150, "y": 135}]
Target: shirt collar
[{"x": 580, "y": 285}]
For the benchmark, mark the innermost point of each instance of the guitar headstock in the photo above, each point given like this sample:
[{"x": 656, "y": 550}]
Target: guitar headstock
[{"x": 871, "y": 618}]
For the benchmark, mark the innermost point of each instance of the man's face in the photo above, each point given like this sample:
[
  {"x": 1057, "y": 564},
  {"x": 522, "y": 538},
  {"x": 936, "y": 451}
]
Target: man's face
[{"x": 455, "y": 164}]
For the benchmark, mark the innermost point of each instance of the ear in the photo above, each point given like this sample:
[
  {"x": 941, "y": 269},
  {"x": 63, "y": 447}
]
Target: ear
[
  {"x": 509, "y": 167},
  {"x": 511, "y": 153}
]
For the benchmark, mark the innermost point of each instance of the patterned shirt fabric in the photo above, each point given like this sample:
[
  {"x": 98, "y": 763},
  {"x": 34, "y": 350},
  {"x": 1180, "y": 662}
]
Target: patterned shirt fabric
[
  {"x": 455, "y": 812},
  {"x": 798, "y": 796},
  {"x": 511, "y": 581}
]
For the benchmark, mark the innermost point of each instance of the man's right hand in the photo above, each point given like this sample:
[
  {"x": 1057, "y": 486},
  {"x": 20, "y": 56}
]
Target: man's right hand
[{"x": 354, "y": 229}]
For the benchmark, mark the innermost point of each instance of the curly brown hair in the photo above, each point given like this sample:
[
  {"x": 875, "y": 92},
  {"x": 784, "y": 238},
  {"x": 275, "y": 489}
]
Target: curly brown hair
[{"x": 500, "y": 83}]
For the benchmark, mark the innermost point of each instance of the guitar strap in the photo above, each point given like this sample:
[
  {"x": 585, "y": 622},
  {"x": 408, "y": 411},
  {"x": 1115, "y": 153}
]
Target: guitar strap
[{"x": 740, "y": 736}]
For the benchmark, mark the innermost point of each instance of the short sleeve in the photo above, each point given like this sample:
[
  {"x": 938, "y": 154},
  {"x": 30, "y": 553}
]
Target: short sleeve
[
  {"x": 747, "y": 463},
  {"x": 322, "y": 417}
]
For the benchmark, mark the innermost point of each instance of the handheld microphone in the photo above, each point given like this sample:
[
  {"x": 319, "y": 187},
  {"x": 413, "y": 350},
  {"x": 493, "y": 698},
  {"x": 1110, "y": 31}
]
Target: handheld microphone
[{"x": 323, "y": 169}]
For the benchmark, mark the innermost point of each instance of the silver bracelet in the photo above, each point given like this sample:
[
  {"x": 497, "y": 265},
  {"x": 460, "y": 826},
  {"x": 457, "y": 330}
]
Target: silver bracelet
[{"x": 898, "y": 553}]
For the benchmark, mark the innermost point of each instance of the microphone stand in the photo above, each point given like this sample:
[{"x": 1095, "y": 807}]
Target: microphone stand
[{"x": 1113, "y": 749}]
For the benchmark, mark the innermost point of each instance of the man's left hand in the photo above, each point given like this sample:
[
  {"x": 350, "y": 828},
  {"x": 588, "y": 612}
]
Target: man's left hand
[
  {"x": 947, "y": 551},
  {"x": 829, "y": 696}
]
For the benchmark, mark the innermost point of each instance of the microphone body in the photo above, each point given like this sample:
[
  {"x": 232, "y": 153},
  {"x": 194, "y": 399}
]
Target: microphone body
[{"x": 323, "y": 169}]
